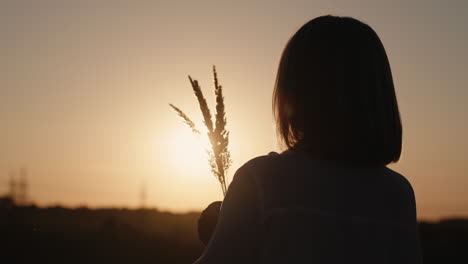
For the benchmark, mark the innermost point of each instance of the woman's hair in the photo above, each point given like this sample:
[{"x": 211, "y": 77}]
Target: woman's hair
[{"x": 334, "y": 96}]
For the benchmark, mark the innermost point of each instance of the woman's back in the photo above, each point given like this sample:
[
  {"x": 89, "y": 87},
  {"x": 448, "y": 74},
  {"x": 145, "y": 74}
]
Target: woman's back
[
  {"x": 329, "y": 212},
  {"x": 290, "y": 208}
]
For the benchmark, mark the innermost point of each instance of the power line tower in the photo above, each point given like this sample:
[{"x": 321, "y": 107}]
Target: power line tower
[
  {"x": 18, "y": 187},
  {"x": 12, "y": 186},
  {"x": 23, "y": 187},
  {"x": 143, "y": 195}
]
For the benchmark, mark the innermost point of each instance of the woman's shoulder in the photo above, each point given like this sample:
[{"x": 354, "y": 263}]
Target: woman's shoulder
[
  {"x": 267, "y": 160},
  {"x": 399, "y": 181},
  {"x": 268, "y": 168},
  {"x": 401, "y": 193},
  {"x": 257, "y": 164}
]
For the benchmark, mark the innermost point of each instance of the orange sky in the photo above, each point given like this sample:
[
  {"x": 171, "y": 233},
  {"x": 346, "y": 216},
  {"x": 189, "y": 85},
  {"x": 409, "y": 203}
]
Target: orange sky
[{"x": 85, "y": 87}]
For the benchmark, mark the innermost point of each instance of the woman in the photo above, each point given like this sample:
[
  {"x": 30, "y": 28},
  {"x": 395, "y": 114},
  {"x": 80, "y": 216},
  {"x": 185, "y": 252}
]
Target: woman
[{"x": 329, "y": 198}]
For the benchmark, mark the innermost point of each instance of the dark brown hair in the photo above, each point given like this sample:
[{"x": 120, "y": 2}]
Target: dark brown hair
[{"x": 334, "y": 96}]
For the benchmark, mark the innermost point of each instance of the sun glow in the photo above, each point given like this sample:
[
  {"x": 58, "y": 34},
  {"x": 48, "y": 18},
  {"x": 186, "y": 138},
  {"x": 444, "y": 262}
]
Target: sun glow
[{"x": 188, "y": 151}]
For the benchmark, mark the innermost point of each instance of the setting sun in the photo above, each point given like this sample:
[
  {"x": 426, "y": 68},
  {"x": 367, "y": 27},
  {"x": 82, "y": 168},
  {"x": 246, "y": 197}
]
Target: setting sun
[{"x": 188, "y": 151}]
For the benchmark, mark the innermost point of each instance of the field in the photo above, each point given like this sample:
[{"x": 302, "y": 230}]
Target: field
[{"x": 81, "y": 235}]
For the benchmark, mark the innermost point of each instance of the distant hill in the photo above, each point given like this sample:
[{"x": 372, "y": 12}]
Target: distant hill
[
  {"x": 61, "y": 235},
  {"x": 445, "y": 241}
]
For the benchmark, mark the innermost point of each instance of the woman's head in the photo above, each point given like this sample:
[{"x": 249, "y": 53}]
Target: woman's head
[{"x": 334, "y": 96}]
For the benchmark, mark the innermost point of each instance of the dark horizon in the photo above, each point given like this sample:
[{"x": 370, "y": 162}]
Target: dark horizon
[
  {"x": 148, "y": 236},
  {"x": 85, "y": 90}
]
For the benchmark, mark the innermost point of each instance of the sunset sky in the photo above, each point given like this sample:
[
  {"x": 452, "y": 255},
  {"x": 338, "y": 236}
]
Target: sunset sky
[{"x": 85, "y": 87}]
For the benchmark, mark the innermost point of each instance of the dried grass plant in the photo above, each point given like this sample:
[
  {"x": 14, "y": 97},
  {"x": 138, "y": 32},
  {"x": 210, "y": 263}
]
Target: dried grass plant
[{"x": 219, "y": 156}]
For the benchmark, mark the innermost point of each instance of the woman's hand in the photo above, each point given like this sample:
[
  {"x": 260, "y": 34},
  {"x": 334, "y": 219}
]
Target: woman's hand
[{"x": 207, "y": 221}]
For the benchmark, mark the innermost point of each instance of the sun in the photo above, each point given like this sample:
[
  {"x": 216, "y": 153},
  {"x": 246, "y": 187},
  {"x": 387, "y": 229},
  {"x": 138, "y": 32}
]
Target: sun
[{"x": 188, "y": 151}]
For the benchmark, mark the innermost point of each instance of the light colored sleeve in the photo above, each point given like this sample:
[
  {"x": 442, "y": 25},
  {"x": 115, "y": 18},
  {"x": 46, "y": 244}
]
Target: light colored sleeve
[{"x": 236, "y": 236}]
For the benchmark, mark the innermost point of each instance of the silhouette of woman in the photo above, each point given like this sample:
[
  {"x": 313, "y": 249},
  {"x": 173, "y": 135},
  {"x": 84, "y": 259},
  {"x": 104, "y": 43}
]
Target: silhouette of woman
[{"x": 330, "y": 197}]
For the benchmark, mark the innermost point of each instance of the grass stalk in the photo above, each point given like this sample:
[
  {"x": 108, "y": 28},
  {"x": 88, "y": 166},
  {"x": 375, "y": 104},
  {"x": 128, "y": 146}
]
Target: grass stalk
[{"x": 219, "y": 157}]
